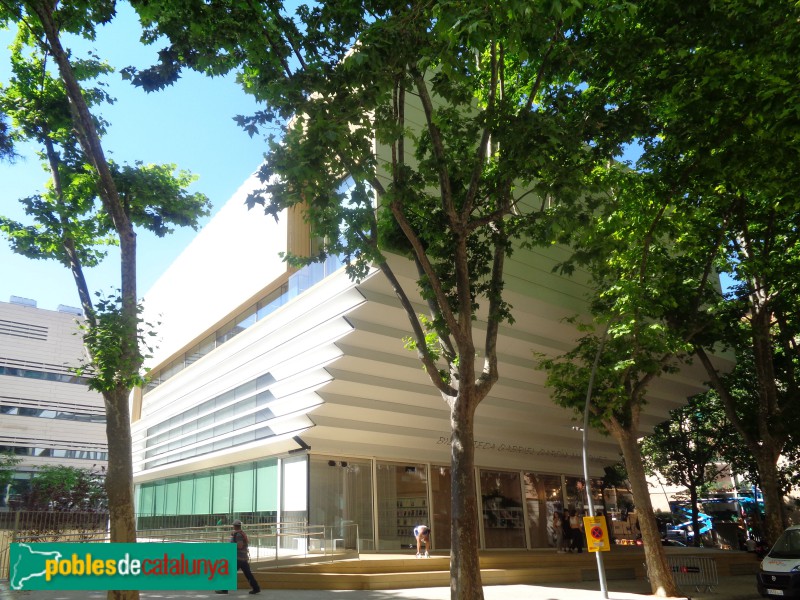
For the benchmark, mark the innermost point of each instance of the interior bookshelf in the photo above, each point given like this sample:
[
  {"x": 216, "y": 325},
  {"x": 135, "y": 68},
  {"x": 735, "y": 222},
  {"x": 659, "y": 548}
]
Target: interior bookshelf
[{"x": 411, "y": 512}]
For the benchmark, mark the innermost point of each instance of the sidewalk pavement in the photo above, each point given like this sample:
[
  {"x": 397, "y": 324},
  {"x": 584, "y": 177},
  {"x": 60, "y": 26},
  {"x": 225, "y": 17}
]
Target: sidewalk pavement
[{"x": 739, "y": 587}]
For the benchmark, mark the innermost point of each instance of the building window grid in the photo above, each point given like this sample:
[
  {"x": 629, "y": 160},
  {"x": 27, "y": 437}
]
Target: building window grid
[
  {"x": 209, "y": 407},
  {"x": 46, "y": 375},
  {"x": 48, "y": 413},
  {"x": 261, "y": 414},
  {"x": 230, "y": 440},
  {"x": 54, "y": 452},
  {"x": 217, "y": 411},
  {"x": 298, "y": 283}
]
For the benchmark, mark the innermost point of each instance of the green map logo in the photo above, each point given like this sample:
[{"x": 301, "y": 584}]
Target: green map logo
[{"x": 145, "y": 566}]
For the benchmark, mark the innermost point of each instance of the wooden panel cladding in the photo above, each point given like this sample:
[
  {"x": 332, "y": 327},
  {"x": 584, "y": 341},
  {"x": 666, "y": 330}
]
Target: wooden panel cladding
[
  {"x": 298, "y": 234},
  {"x": 136, "y": 405}
]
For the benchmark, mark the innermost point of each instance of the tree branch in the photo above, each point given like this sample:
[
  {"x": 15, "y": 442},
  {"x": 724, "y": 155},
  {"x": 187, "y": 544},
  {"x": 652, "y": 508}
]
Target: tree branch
[
  {"x": 490, "y": 373},
  {"x": 483, "y": 145},
  {"x": 540, "y": 72},
  {"x": 424, "y": 261},
  {"x": 423, "y": 352},
  {"x": 728, "y": 401},
  {"x": 445, "y": 187}
]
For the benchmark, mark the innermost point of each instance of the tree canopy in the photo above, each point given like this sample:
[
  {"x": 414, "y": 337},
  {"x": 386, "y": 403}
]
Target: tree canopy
[
  {"x": 62, "y": 488},
  {"x": 90, "y": 202},
  {"x": 8, "y": 463},
  {"x": 456, "y": 126},
  {"x": 714, "y": 88}
]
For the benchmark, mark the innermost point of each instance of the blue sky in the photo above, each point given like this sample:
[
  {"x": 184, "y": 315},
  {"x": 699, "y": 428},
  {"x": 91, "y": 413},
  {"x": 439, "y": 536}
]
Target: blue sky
[{"x": 190, "y": 125}]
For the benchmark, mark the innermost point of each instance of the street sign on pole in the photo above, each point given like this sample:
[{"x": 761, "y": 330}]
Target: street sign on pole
[{"x": 596, "y": 530}]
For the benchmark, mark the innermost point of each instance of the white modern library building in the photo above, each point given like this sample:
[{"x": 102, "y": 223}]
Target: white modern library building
[{"x": 282, "y": 395}]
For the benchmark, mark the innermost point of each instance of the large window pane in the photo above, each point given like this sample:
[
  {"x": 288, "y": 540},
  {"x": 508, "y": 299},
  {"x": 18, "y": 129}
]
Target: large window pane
[
  {"x": 341, "y": 497},
  {"x": 502, "y": 509},
  {"x": 402, "y": 504},
  {"x": 544, "y": 498},
  {"x": 441, "y": 484},
  {"x": 202, "y": 493},
  {"x": 158, "y": 493},
  {"x": 267, "y": 486},
  {"x": 146, "y": 499},
  {"x": 186, "y": 506},
  {"x": 576, "y": 494},
  {"x": 172, "y": 491},
  {"x": 243, "y": 489},
  {"x": 221, "y": 499},
  {"x": 295, "y": 486}
]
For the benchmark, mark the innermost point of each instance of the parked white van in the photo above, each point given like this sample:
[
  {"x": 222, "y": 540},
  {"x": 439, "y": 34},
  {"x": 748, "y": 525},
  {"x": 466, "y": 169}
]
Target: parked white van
[{"x": 780, "y": 570}]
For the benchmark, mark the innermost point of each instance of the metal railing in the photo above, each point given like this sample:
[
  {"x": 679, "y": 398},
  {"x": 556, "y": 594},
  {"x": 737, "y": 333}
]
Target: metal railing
[
  {"x": 271, "y": 544},
  {"x": 271, "y": 541}
]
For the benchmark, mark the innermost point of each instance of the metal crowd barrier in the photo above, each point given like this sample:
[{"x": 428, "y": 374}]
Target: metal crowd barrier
[{"x": 694, "y": 571}]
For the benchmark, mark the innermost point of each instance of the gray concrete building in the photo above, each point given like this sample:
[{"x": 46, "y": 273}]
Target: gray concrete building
[{"x": 48, "y": 415}]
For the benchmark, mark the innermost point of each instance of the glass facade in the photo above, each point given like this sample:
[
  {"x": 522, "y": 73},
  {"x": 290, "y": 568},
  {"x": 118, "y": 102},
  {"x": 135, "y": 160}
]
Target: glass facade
[
  {"x": 386, "y": 500},
  {"x": 402, "y": 494},
  {"x": 440, "y": 507},
  {"x": 340, "y": 495},
  {"x": 221, "y": 420},
  {"x": 248, "y": 491},
  {"x": 503, "y": 518},
  {"x": 45, "y": 375},
  {"x": 543, "y": 498}
]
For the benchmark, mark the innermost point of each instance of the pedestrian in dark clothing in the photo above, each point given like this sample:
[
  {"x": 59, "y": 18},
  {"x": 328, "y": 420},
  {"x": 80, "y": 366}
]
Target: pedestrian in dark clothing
[
  {"x": 567, "y": 533},
  {"x": 239, "y": 538},
  {"x": 575, "y": 523}
]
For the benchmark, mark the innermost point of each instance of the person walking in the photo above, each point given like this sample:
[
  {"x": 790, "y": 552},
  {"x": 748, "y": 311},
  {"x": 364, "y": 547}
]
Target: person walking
[
  {"x": 239, "y": 537},
  {"x": 423, "y": 535}
]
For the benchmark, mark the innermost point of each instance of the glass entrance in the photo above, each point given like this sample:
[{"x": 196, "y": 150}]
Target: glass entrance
[
  {"x": 341, "y": 495},
  {"x": 402, "y": 504},
  {"x": 440, "y": 511},
  {"x": 544, "y": 498},
  {"x": 503, "y": 523}
]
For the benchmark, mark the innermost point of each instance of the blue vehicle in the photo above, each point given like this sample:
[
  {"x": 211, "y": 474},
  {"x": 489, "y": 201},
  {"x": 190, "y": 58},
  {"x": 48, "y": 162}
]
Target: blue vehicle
[{"x": 681, "y": 531}]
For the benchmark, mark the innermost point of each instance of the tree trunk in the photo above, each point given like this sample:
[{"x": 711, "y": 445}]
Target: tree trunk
[
  {"x": 465, "y": 572},
  {"x": 774, "y": 520},
  {"x": 119, "y": 476},
  {"x": 766, "y": 447},
  {"x": 662, "y": 583},
  {"x": 695, "y": 517}
]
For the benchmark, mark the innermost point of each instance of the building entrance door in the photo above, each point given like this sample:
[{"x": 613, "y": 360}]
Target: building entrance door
[{"x": 402, "y": 504}]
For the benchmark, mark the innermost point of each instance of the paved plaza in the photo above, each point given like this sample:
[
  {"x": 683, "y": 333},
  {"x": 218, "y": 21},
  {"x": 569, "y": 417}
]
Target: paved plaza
[{"x": 741, "y": 587}]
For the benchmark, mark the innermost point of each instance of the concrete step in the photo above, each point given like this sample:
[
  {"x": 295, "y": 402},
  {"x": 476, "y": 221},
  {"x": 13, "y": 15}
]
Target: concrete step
[{"x": 385, "y": 572}]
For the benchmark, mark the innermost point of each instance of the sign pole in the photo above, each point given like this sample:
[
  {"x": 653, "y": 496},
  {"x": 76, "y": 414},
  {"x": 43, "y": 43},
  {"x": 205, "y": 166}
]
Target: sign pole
[{"x": 590, "y": 501}]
